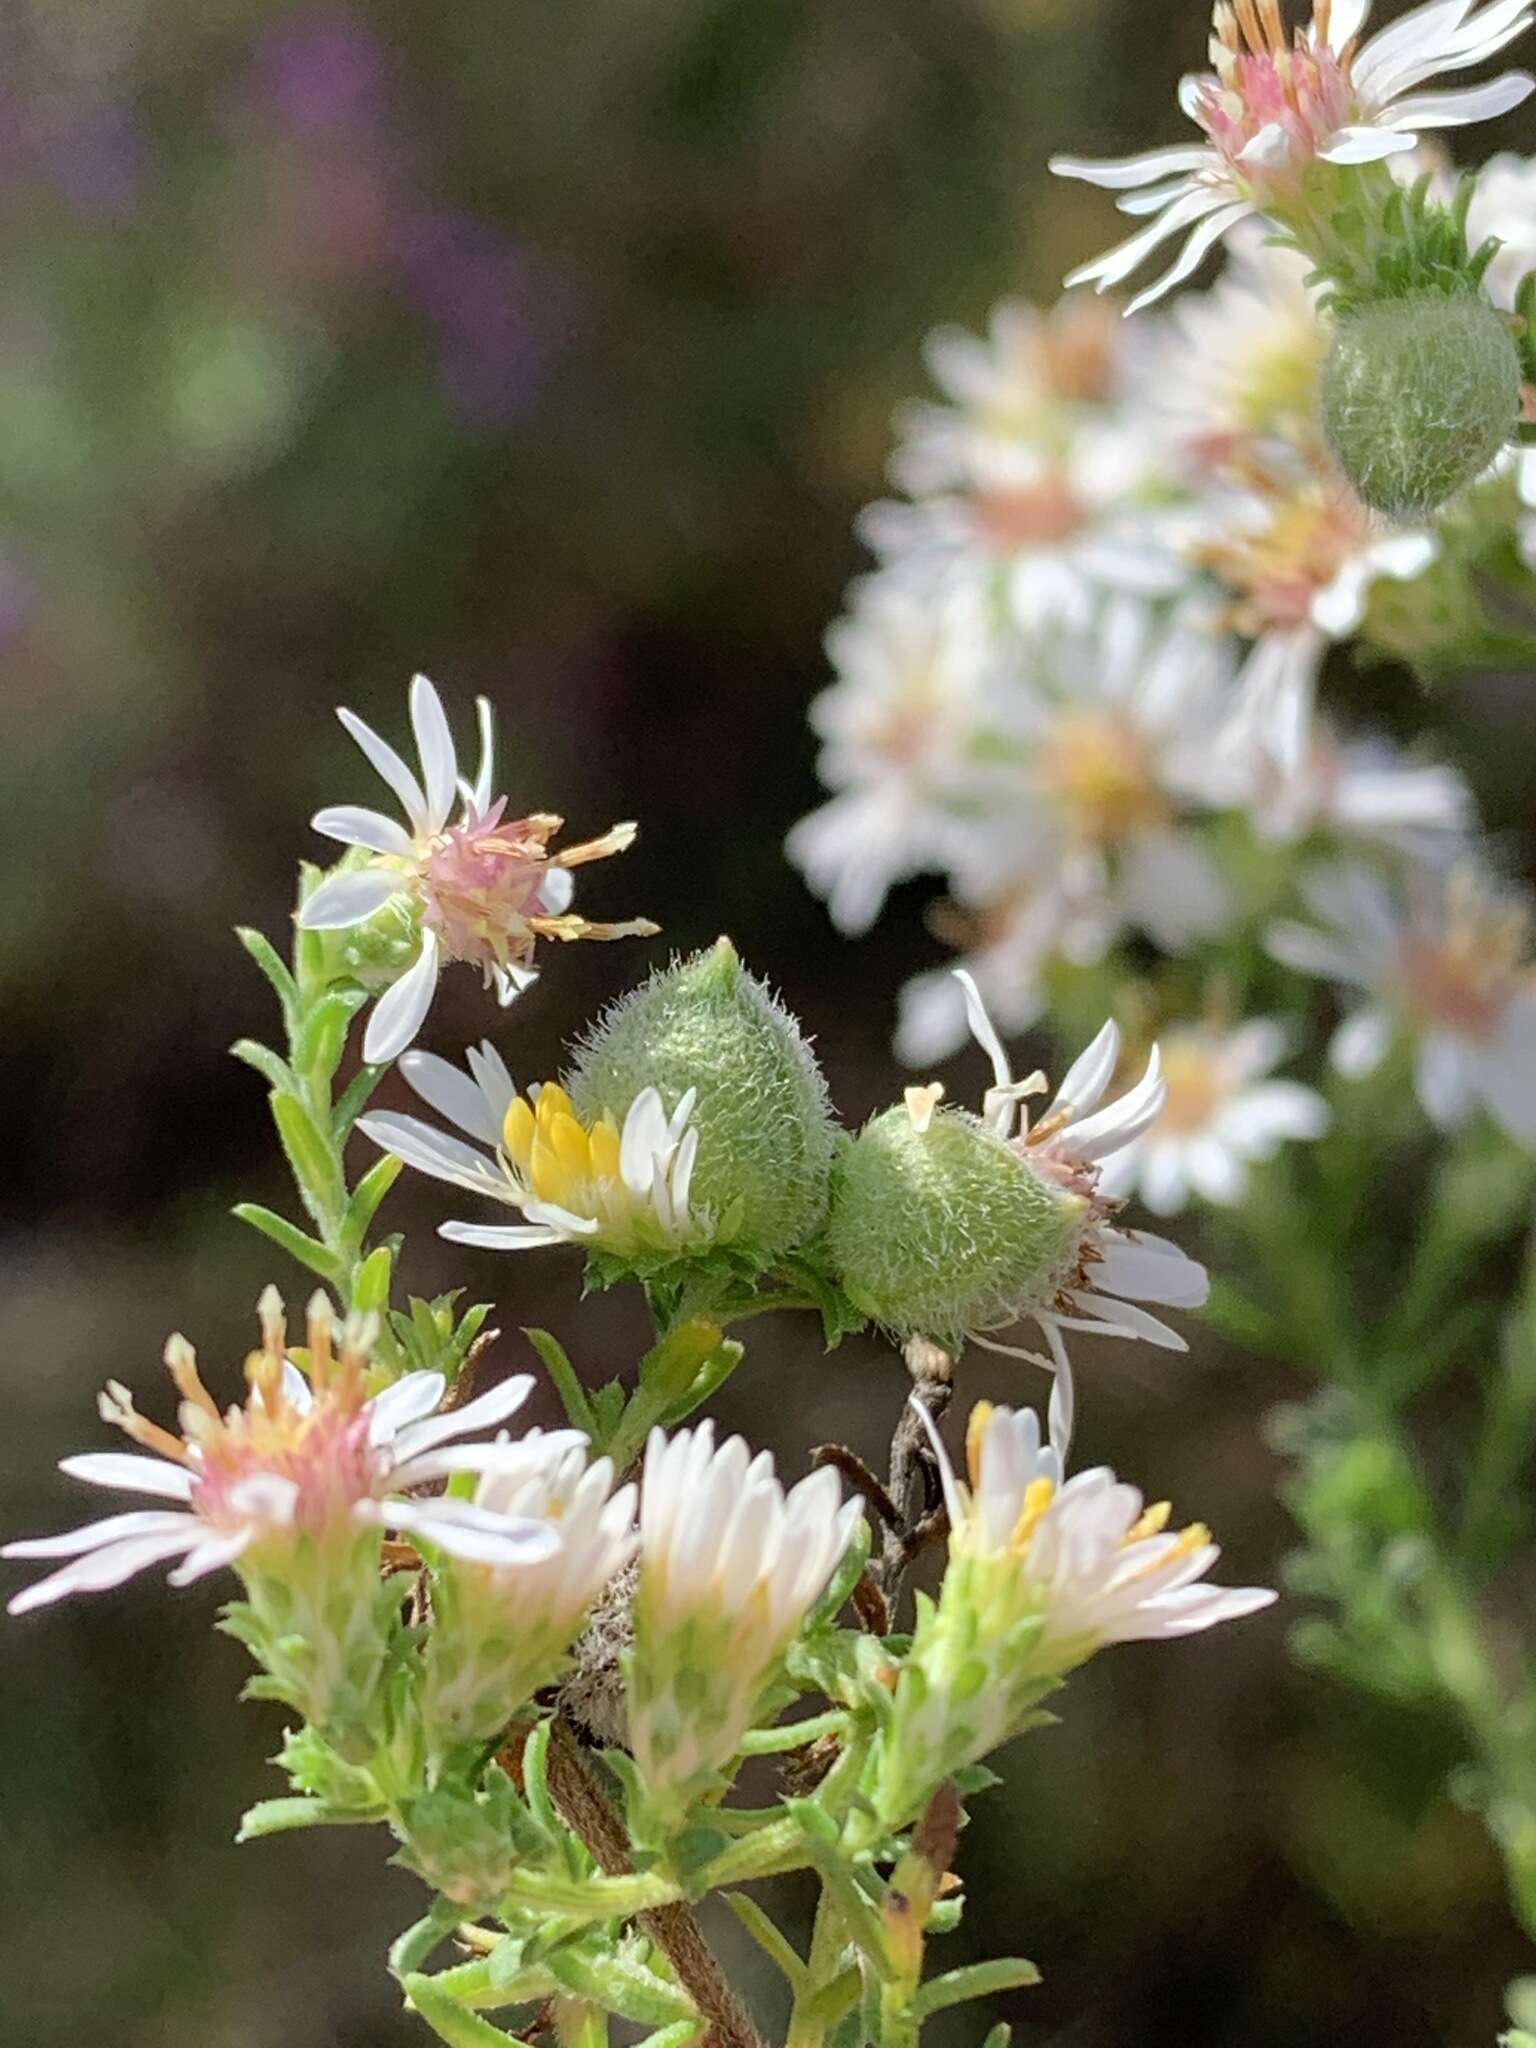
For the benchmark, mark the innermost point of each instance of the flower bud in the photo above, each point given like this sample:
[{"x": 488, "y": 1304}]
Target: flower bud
[
  {"x": 765, "y": 1129},
  {"x": 378, "y": 951},
  {"x": 1419, "y": 394},
  {"x": 940, "y": 1226}
]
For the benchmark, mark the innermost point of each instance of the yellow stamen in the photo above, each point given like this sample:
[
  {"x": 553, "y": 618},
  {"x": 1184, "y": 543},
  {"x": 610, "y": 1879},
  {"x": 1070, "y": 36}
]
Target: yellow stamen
[
  {"x": 545, "y": 1172},
  {"x": 1038, "y": 1496},
  {"x": 181, "y": 1360},
  {"x": 553, "y": 1102},
  {"x": 568, "y": 1141},
  {"x": 1151, "y": 1523},
  {"x": 603, "y": 1145},
  {"x": 517, "y": 1132},
  {"x": 975, "y": 1433}
]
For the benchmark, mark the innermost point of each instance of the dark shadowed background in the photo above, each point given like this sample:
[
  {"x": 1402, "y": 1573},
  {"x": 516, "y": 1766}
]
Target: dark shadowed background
[{"x": 549, "y": 348}]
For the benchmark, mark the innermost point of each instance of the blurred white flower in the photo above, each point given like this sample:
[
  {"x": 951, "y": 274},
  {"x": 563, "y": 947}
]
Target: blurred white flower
[
  {"x": 486, "y": 887},
  {"x": 900, "y": 728},
  {"x": 1050, "y": 526},
  {"x": 1223, "y": 1112},
  {"x": 624, "y": 1191},
  {"x": 1504, "y": 204},
  {"x": 1445, "y": 960},
  {"x": 1239, "y": 362},
  {"x": 1274, "y": 111}
]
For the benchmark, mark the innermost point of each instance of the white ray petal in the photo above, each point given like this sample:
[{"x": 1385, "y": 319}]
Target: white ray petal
[
  {"x": 402, "y": 1010},
  {"x": 133, "y": 1474},
  {"x": 454, "y": 1095},
  {"x": 432, "y": 1151},
  {"x": 1117, "y": 174},
  {"x": 348, "y": 899},
  {"x": 388, "y": 764},
  {"x": 354, "y": 825},
  {"x": 434, "y": 745}
]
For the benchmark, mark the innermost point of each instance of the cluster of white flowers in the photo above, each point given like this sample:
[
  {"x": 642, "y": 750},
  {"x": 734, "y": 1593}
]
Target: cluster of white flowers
[{"x": 1082, "y": 685}]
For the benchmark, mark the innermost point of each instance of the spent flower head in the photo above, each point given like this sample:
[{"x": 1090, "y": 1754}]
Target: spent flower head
[{"x": 480, "y": 887}]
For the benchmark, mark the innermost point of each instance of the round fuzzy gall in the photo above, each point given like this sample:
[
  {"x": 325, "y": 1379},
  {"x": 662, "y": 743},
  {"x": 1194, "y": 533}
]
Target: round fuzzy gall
[
  {"x": 1419, "y": 394},
  {"x": 766, "y": 1133},
  {"x": 941, "y": 1230}
]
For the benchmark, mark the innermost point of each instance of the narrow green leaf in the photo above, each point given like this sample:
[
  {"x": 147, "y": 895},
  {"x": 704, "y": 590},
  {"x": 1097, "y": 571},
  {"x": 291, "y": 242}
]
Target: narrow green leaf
[
  {"x": 768, "y": 1938},
  {"x": 353, "y": 1100},
  {"x": 314, "y": 1167},
  {"x": 274, "y": 1071},
  {"x": 366, "y": 1197},
  {"x": 282, "y": 1816},
  {"x": 999, "y": 2036},
  {"x": 833, "y": 2000},
  {"x": 322, "y": 1035},
  {"x": 975, "y": 1980},
  {"x": 676, "y": 2036},
  {"x": 622, "y": 1986},
  {"x": 264, "y": 953},
  {"x": 450, "y": 2021},
  {"x": 573, "y": 1395},
  {"x": 408, "y": 1951},
  {"x": 370, "y": 1290},
  {"x": 307, "y": 1250},
  {"x": 536, "y": 1782}
]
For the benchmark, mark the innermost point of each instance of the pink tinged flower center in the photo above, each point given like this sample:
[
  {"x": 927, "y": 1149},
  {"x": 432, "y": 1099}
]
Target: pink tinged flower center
[
  {"x": 481, "y": 882},
  {"x": 1463, "y": 979},
  {"x": 278, "y": 1460},
  {"x": 1038, "y": 515},
  {"x": 1278, "y": 569},
  {"x": 1296, "y": 93}
]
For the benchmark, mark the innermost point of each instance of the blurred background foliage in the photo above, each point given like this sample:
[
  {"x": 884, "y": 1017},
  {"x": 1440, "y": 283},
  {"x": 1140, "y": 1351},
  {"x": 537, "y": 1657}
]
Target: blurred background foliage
[{"x": 550, "y": 349}]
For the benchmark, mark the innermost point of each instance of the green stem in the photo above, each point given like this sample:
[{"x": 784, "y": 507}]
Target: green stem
[{"x": 810, "y": 2018}]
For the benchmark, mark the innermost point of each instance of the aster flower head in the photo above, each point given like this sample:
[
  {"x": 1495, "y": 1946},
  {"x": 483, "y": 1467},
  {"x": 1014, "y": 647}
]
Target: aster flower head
[
  {"x": 730, "y": 1566},
  {"x": 295, "y": 1487},
  {"x": 623, "y": 1189},
  {"x": 308, "y": 1459},
  {"x": 480, "y": 887},
  {"x": 1445, "y": 960},
  {"x": 898, "y": 728},
  {"x": 1043, "y": 1572},
  {"x": 501, "y": 1629},
  {"x": 953, "y": 1226},
  {"x": 1299, "y": 556},
  {"x": 1290, "y": 121},
  {"x": 1224, "y": 1112}
]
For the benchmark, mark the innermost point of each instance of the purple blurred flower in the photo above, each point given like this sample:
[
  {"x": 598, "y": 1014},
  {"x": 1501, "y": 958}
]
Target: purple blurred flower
[
  {"x": 478, "y": 287},
  {"x": 321, "y": 68}
]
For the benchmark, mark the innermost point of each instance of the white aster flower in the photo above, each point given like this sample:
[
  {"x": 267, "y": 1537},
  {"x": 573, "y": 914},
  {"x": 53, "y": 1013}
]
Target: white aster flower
[
  {"x": 1362, "y": 789},
  {"x": 624, "y": 1191},
  {"x": 485, "y": 887},
  {"x": 298, "y": 1471},
  {"x": 1224, "y": 1112},
  {"x": 1050, "y": 526},
  {"x": 1446, "y": 961},
  {"x": 1042, "y": 1574},
  {"x": 899, "y": 728},
  {"x": 1274, "y": 112},
  {"x": 1240, "y": 362},
  {"x": 1019, "y": 385},
  {"x": 1504, "y": 204},
  {"x": 501, "y": 1630},
  {"x": 730, "y": 1566},
  {"x": 1300, "y": 556},
  {"x": 1113, "y": 1271}
]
